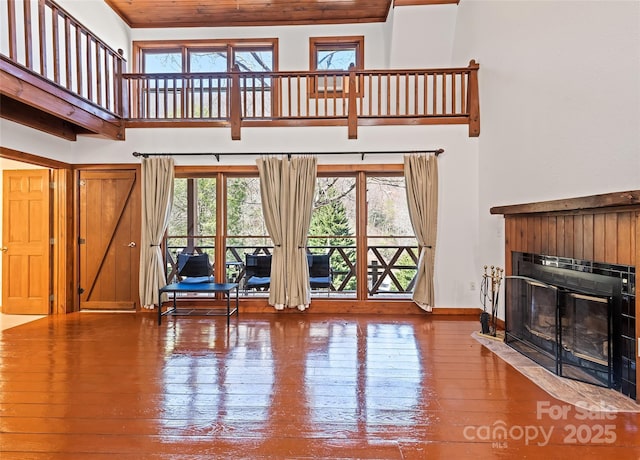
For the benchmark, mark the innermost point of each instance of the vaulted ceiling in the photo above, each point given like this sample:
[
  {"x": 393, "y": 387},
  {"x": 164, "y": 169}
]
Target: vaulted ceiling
[{"x": 225, "y": 13}]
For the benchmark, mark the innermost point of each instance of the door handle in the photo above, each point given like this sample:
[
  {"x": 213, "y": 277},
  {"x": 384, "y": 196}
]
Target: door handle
[
  {"x": 5, "y": 249},
  {"x": 132, "y": 244}
]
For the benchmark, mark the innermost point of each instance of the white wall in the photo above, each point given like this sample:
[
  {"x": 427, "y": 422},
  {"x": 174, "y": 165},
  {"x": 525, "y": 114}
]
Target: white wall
[
  {"x": 100, "y": 19},
  {"x": 293, "y": 46},
  {"x": 559, "y": 99},
  {"x": 423, "y": 37}
]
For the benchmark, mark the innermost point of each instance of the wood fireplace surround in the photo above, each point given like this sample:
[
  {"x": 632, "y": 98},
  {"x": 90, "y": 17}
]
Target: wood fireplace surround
[{"x": 600, "y": 228}]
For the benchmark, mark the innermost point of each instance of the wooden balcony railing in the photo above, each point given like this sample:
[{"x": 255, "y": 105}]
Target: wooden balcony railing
[
  {"x": 51, "y": 62},
  {"x": 351, "y": 98}
]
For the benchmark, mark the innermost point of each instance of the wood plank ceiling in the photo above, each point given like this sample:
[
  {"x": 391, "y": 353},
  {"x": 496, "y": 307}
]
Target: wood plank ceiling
[{"x": 225, "y": 13}]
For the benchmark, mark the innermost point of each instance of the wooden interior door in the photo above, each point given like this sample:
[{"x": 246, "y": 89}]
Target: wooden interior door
[
  {"x": 109, "y": 234},
  {"x": 26, "y": 242}
]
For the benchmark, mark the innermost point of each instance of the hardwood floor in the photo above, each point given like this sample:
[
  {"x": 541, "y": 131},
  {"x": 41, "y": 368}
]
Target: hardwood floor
[{"x": 281, "y": 386}]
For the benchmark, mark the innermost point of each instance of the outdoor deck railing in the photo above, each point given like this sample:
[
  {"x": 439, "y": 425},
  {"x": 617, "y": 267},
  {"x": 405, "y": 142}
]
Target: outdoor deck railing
[{"x": 387, "y": 274}]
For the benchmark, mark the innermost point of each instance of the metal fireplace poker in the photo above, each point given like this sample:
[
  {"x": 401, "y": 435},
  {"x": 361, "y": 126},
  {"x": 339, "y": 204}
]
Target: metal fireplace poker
[{"x": 490, "y": 292}]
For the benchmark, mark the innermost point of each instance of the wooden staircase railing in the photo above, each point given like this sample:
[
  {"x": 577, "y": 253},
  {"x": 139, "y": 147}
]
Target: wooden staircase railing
[{"x": 54, "y": 45}]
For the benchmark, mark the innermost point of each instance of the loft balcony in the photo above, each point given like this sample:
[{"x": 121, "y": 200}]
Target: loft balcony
[{"x": 58, "y": 77}]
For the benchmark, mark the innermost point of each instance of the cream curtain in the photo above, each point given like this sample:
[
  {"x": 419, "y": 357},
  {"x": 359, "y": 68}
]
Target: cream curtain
[
  {"x": 302, "y": 181},
  {"x": 286, "y": 188},
  {"x": 273, "y": 190},
  {"x": 421, "y": 178},
  {"x": 157, "y": 196}
]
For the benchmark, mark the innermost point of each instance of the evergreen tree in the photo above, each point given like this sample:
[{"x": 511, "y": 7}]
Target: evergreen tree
[{"x": 330, "y": 221}]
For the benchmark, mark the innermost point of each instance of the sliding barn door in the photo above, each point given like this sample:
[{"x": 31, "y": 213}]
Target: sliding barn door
[
  {"x": 26, "y": 242},
  {"x": 109, "y": 237}
]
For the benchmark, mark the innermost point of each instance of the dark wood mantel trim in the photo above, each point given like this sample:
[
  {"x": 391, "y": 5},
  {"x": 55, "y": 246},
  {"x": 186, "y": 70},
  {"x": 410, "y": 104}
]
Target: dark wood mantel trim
[{"x": 606, "y": 200}]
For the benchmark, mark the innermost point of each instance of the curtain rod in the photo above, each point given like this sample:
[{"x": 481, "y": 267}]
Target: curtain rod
[{"x": 289, "y": 154}]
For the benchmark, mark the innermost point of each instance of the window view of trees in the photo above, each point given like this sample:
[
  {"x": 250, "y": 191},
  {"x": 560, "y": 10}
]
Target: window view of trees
[
  {"x": 192, "y": 226},
  {"x": 391, "y": 246},
  {"x": 332, "y": 228},
  {"x": 205, "y": 96},
  {"x": 391, "y": 238}
]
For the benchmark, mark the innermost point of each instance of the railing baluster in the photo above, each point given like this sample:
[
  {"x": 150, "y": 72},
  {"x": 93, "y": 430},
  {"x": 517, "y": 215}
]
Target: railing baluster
[
  {"x": 262, "y": 95},
  {"x": 425, "y": 96},
  {"x": 201, "y": 97},
  {"x": 218, "y": 92},
  {"x": 335, "y": 94},
  {"x": 156, "y": 97},
  {"x": 298, "y": 95},
  {"x": 435, "y": 93},
  {"x": 444, "y": 93},
  {"x": 99, "y": 75},
  {"x": 370, "y": 77},
  {"x": 361, "y": 92},
  {"x": 416, "y": 93},
  {"x": 67, "y": 53},
  {"x": 120, "y": 95},
  {"x": 288, "y": 95},
  {"x": 13, "y": 42},
  {"x": 255, "y": 96},
  {"x": 42, "y": 36},
  {"x": 326, "y": 98},
  {"x": 210, "y": 98},
  {"x": 167, "y": 110},
  {"x": 79, "y": 73},
  {"x": 28, "y": 44},
  {"x": 89, "y": 68},
  {"x": 175, "y": 98},
  {"x": 56, "y": 45},
  {"x": 107, "y": 81},
  {"x": 387, "y": 110},
  {"x": 183, "y": 96},
  {"x": 453, "y": 93},
  {"x": 463, "y": 93},
  {"x": 406, "y": 94},
  {"x": 397, "y": 94}
]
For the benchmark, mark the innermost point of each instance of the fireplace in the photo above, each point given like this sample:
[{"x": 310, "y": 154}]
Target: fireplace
[{"x": 575, "y": 318}]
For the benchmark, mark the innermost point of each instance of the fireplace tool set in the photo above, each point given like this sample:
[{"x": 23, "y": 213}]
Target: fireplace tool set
[{"x": 489, "y": 293}]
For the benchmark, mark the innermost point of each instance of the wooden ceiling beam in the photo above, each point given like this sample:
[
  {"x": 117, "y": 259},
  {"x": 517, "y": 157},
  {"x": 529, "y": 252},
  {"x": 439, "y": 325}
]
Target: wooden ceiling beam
[{"x": 26, "y": 115}]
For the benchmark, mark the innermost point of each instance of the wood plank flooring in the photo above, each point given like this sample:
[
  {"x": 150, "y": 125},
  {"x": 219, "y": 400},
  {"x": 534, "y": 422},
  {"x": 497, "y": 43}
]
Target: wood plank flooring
[{"x": 281, "y": 386}]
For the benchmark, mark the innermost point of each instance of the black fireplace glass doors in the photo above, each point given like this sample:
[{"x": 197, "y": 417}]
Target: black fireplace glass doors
[
  {"x": 530, "y": 320},
  {"x": 586, "y": 338},
  {"x": 567, "y": 333},
  {"x": 593, "y": 334}
]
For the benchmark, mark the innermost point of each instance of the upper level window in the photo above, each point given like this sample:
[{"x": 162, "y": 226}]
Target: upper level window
[
  {"x": 163, "y": 95},
  {"x": 205, "y": 56},
  {"x": 328, "y": 54}
]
